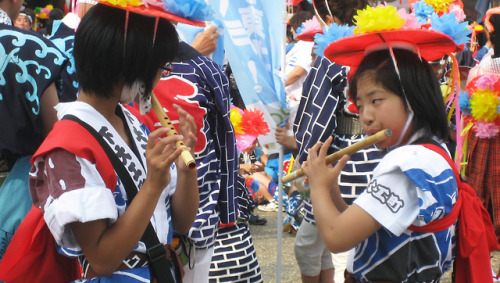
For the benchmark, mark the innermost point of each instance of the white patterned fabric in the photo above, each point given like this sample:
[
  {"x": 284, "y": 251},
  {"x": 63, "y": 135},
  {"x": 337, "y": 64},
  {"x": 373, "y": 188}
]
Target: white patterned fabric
[
  {"x": 412, "y": 185},
  {"x": 69, "y": 188}
]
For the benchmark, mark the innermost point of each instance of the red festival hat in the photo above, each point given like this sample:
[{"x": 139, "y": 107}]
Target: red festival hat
[{"x": 384, "y": 26}]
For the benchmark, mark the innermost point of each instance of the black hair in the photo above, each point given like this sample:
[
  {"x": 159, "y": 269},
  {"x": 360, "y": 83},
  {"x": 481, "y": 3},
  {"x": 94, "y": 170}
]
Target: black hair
[
  {"x": 55, "y": 14},
  {"x": 299, "y": 18},
  {"x": 342, "y": 9},
  {"x": 421, "y": 88},
  {"x": 104, "y": 57},
  {"x": 495, "y": 35}
]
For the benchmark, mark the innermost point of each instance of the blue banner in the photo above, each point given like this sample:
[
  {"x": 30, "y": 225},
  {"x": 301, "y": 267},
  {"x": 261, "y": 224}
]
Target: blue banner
[{"x": 253, "y": 43}]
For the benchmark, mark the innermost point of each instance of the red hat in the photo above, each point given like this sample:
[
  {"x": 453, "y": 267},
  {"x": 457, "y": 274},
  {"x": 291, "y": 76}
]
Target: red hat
[
  {"x": 382, "y": 27},
  {"x": 158, "y": 8}
]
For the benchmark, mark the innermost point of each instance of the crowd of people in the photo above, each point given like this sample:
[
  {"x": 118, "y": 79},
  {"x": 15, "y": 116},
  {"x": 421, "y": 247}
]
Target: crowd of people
[{"x": 110, "y": 106}]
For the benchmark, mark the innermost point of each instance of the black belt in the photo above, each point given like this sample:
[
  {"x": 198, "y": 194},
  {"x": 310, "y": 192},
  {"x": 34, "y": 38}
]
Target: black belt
[{"x": 348, "y": 126}]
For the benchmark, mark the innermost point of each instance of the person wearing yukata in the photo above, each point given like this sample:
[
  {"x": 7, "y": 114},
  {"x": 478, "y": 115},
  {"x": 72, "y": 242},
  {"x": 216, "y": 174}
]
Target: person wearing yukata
[
  {"x": 31, "y": 67},
  {"x": 200, "y": 86},
  {"x": 105, "y": 210},
  {"x": 406, "y": 217},
  {"x": 325, "y": 110}
]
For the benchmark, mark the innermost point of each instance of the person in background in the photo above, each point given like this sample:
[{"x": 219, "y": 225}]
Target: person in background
[
  {"x": 117, "y": 216},
  {"x": 483, "y": 169},
  {"x": 26, "y": 19},
  {"x": 199, "y": 85},
  {"x": 27, "y": 98},
  {"x": 324, "y": 111}
]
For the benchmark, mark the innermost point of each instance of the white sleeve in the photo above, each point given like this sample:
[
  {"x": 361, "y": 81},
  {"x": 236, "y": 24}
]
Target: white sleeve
[
  {"x": 390, "y": 198},
  {"x": 76, "y": 193}
]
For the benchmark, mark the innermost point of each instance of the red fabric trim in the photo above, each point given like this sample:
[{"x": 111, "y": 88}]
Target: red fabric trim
[
  {"x": 71, "y": 136},
  {"x": 476, "y": 237},
  {"x": 32, "y": 255}
]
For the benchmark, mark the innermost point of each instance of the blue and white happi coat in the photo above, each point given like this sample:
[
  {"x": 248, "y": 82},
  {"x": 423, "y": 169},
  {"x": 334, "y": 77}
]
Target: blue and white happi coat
[
  {"x": 323, "y": 100},
  {"x": 412, "y": 185},
  {"x": 217, "y": 160}
]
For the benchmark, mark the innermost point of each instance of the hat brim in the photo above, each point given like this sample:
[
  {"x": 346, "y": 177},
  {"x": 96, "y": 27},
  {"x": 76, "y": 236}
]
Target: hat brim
[
  {"x": 154, "y": 11},
  {"x": 308, "y": 35},
  {"x": 349, "y": 51}
]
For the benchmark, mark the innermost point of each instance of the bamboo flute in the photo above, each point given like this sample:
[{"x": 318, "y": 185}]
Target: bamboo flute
[
  {"x": 371, "y": 140},
  {"x": 186, "y": 155}
]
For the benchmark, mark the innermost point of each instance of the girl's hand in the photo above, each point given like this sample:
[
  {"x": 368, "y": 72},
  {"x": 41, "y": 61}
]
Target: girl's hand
[
  {"x": 160, "y": 154},
  {"x": 320, "y": 174},
  {"x": 187, "y": 128}
]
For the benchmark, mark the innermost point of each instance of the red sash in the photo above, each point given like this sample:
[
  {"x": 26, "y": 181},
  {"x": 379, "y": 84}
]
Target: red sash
[
  {"x": 31, "y": 255},
  {"x": 476, "y": 235}
]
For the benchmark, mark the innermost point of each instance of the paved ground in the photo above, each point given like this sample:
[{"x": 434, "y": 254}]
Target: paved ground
[{"x": 265, "y": 241}]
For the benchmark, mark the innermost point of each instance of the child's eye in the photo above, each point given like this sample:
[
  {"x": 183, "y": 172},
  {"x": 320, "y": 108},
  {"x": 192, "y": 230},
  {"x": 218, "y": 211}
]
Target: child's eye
[
  {"x": 359, "y": 107},
  {"x": 376, "y": 100}
]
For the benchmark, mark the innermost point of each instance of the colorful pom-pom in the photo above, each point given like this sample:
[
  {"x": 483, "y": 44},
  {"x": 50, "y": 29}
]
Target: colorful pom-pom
[
  {"x": 376, "y": 19},
  {"x": 439, "y": 5},
  {"x": 329, "y": 35},
  {"x": 487, "y": 81},
  {"x": 463, "y": 101},
  {"x": 449, "y": 25},
  {"x": 486, "y": 130},
  {"x": 484, "y": 105}
]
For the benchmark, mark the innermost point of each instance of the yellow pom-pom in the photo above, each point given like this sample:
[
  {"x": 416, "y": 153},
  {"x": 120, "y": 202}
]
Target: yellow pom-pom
[
  {"x": 484, "y": 105},
  {"x": 235, "y": 117},
  {"x": 125, "y": 3},
  {"x": 439, "y": 5},
  {"x": 377, "y": 19}
]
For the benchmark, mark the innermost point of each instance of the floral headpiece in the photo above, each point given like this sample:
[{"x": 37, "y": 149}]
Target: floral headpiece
[
  {"x": 309, "y": 29},
  {"x": 385, "y": 26},
  {"x": 480, "y": 105},
  {"x": 248, "y": 125},
  {"x": 424, "y": 8},
  {"x": 191, "y": 12}
]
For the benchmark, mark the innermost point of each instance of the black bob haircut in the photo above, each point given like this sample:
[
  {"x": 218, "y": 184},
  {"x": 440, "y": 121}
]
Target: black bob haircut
[
  {"x": 418, "y": 81},
  {"x": 102, "y": 61}
]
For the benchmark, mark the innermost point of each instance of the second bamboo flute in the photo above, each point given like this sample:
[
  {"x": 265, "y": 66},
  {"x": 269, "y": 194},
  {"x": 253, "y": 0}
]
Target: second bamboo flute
[
  {"x": 371, "y": 140},
  {"x": 186, "y": 156}
]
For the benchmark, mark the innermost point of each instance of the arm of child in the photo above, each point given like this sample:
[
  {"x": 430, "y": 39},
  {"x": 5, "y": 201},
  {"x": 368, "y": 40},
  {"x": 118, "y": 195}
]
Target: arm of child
[
  {"x": 48, "y": 100},
  {"x": 295, "y": 75},
  {"x": 104, "y": 245},
  {"x": 341, "y": 227},
  {"x": 185, "y": 200}
]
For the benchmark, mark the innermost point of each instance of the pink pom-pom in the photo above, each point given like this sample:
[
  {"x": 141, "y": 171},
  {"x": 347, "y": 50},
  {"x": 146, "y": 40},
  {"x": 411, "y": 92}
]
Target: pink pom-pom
[
  {"x": 487, "y": 81},
  {"x": 486, "y": 130},
  {"x": 411, "y": 21},
  {"x": 458, "y": 11},
  {"x": 311, "y": 25}
]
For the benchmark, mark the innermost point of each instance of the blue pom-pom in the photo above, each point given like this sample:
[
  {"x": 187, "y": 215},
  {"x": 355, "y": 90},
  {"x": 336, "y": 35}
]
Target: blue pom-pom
[
  {"x": 449, "y": 25},
  {"x": 329, "y": 35},
  {"x": 194, "y": 10},
  {"x": 464, "y": 102},
  {"x": 422, "y": 11}
]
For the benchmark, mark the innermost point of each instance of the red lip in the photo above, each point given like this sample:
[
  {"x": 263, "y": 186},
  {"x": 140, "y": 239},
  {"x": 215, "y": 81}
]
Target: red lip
[{"x": 372, "y": 132}]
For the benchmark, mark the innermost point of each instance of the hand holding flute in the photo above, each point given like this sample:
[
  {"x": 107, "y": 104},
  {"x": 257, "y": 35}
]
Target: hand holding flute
[
  {"x": 371, "y": 140},
  {"x": 186, "y": 155}
]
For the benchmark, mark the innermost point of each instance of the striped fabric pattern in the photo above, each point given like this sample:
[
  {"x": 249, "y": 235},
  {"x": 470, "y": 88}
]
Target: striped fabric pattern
[
  {"x": 323, "y": 99},
  {"x": 217, "y": 162}
]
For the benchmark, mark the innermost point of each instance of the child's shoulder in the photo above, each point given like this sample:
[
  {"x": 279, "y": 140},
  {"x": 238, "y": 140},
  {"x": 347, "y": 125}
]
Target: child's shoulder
[{"x": 412, "y": 157}]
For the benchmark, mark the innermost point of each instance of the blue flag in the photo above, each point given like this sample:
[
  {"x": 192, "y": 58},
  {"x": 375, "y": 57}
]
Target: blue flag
[{"x": 253, "y": 38}]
